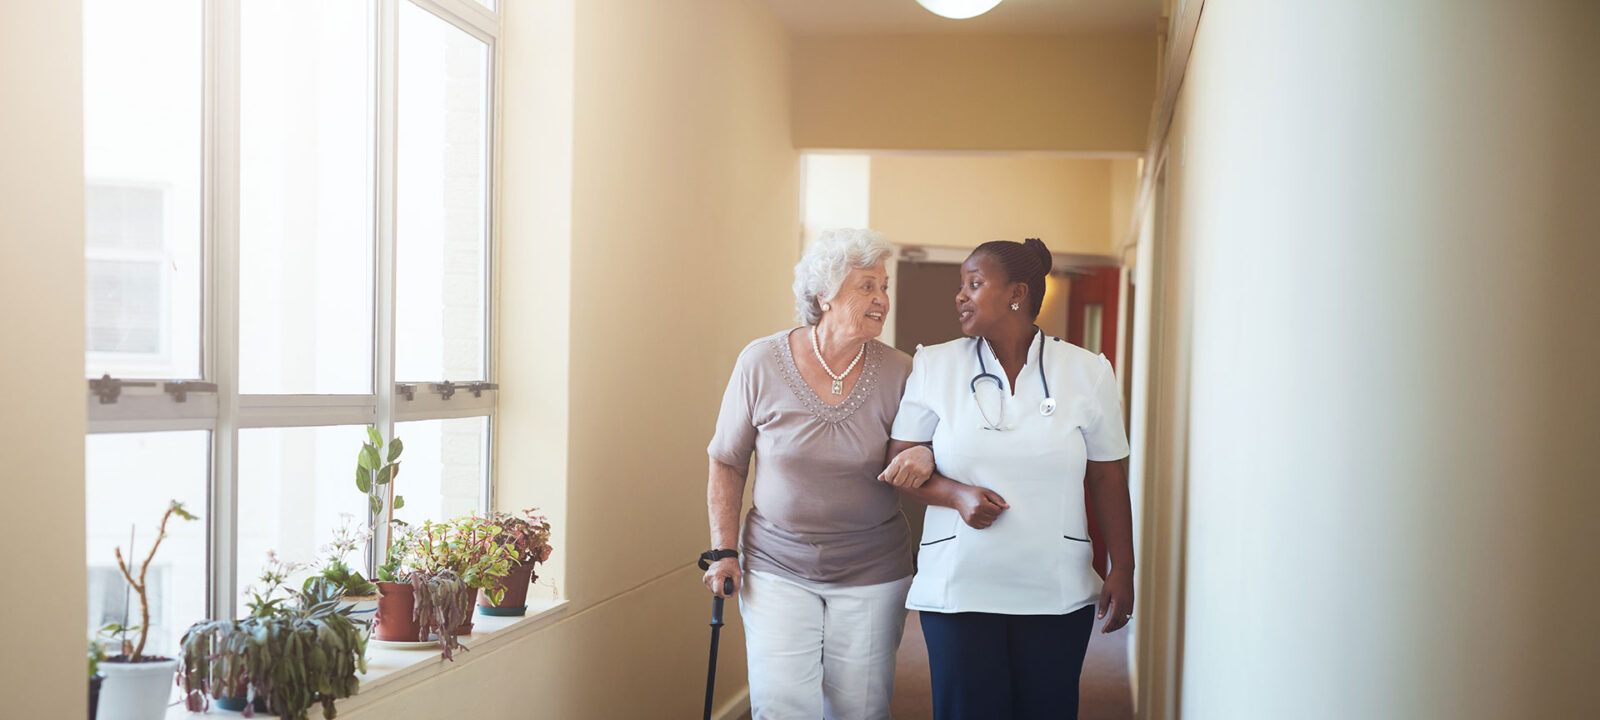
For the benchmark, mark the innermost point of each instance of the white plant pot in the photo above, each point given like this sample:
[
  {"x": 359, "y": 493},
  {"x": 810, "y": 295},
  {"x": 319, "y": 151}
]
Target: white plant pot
[
  {"x": 361, "y": 607},
  {"x": 136, "y": 691}
]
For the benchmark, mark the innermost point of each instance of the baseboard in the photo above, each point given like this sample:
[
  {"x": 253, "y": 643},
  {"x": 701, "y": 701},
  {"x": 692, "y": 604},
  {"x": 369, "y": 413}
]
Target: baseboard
[{"x": 736, "y": 707}]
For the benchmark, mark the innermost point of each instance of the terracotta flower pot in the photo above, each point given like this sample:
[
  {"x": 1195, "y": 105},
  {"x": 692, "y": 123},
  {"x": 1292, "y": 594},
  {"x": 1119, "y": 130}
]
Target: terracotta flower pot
[
  {"x": 515, "y": 600},
  {"x": 396, "y": 621}
]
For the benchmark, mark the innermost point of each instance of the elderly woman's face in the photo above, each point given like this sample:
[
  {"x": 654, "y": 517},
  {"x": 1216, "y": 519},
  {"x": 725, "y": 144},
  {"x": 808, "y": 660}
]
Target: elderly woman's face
[{"x": 862, "y": 303}]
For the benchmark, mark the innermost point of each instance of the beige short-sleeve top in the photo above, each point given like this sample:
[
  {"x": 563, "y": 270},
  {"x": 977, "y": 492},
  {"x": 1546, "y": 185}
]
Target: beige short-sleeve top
[{"x": 820, "y": 513}]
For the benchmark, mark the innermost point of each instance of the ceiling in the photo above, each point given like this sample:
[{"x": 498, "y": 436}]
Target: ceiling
[{"x": 906, "y": 17}]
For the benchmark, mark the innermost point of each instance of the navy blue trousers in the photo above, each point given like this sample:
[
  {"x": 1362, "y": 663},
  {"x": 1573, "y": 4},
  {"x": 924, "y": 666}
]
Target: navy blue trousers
[{"x": 995, "y": 667}]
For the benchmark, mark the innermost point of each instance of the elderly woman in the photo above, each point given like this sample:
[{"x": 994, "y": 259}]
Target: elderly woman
[{"x": 826, "y": 552}]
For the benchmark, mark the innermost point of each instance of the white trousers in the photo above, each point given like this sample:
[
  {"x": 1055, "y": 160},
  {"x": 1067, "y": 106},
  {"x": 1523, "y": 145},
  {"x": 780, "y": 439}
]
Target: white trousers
[{"x": 819, "y": 650}]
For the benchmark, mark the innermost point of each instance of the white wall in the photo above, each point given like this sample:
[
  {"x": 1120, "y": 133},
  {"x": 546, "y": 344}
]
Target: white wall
[
  {"x": 42, "y": 321},
  {"x": 1382, "y": 222},
  {"x": 652, "y": 222}
]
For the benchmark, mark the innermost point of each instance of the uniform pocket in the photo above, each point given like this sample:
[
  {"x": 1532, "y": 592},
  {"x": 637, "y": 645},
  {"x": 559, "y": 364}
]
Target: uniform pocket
[
  {"x": 935, "y": 553},
  {"x": 938, "y": 525}
]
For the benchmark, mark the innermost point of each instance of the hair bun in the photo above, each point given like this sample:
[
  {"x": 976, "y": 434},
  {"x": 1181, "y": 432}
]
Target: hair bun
[{"x": 1046, "y": 260}]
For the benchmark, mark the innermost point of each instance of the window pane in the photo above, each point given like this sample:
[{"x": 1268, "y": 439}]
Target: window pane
[
  {"x": 444, "y": 469},
  {"x": 305, "y": 198},
  {"x": 293, "y": 485},
  {"x": 131, "y": 477},
  {"x": 142, "y": 175},
  {"x": 442, "y": 192}
]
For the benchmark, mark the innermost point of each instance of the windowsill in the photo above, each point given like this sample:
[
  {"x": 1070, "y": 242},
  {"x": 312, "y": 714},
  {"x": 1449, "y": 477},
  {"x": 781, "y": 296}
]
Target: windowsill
[{"x": 390, "y": 670}]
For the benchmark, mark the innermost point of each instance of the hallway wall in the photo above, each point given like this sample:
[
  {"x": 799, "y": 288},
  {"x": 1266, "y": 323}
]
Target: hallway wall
[
  {"x": 1383, "y": 216},
  {"x": 1084, "y": 93},
  {"x": 635, "y": 266},
  {"x": 41, "y": 323},
  {"x": 961, "y": 201}
]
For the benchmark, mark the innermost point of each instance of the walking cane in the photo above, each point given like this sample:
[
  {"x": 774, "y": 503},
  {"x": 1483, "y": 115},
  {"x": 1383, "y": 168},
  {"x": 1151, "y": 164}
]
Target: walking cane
[{"x": 716, "y": 630}]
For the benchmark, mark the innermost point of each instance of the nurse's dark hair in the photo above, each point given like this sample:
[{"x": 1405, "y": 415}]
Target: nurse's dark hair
[{"x": 1025, "y": 262}]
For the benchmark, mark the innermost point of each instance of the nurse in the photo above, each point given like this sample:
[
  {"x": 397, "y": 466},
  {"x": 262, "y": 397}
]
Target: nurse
[{"x": 1018, "y": 422}]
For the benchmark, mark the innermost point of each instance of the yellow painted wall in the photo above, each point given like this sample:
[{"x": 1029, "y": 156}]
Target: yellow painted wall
[
  {"x": 1124, "y": 192},
  {"x": 634, "y": 267},
  {"x": 967, "y": 92},
  {"x": 42, "y": 667},
  {"x": 962, "y": 201},
  {"x": 1375, "y": 463}
]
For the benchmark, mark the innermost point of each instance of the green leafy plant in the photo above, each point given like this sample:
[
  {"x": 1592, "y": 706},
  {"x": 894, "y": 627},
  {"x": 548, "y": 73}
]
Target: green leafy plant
[
  {"x": 526, "y": 537},
  {"x": 443, "y": 604},
  {"x": 134, "y": 653},
  {"x": 446, "y": 564},
  {"x": 334, "y": 570},
  {"x": 295, "y": 650},
  {"x": 96, "y": 654},
  {"x": 376, "y": 469}
]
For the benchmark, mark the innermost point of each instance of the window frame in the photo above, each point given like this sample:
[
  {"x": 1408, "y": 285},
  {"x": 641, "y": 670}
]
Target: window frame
[{"x": 225, "y": 412}]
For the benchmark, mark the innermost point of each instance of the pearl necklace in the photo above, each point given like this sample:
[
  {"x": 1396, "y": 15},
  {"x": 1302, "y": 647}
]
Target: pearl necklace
[{"x": 838, "y": 380}]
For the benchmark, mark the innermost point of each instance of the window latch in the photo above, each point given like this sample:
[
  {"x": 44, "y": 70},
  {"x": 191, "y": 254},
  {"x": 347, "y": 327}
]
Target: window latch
[
  {"x": 447, "y": 389},
  {"x": 406, "y": 390},
  {"x": 109, "y": 388},
  {"x": 180, "y": 389}
]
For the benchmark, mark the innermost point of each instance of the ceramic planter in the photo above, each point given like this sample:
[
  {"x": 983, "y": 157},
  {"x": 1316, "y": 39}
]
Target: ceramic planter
[
  {"x": 396, "y": 613},
  {"x": 515, "y": 600},
  {"x": 362, "y": 607},
  {"x": 136, "y": 691}
]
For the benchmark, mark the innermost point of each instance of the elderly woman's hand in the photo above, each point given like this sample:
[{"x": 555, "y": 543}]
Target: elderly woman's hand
[
  {"x": 909, "y": 469},
  {"x": 724, "y": 568}
]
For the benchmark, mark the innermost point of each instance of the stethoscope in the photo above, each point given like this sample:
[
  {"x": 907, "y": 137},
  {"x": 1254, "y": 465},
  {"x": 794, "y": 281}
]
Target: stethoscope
[{"x": 1046, "y": 407}]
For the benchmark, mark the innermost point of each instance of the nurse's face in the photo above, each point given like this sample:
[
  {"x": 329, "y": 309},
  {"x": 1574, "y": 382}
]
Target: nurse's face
[
  {"x": 861, "y": 305},
  {"x": 984, "y": 300}
]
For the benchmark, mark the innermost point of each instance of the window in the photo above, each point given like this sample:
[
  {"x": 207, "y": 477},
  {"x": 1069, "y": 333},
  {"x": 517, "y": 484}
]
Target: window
[{"x": 270, "y": 247}]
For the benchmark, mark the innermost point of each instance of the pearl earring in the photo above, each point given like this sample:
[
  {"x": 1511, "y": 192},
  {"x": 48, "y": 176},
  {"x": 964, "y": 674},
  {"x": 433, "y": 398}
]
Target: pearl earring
[
  {"x": 825, "y": 307},
  {"x": 1015, "y": 306}
]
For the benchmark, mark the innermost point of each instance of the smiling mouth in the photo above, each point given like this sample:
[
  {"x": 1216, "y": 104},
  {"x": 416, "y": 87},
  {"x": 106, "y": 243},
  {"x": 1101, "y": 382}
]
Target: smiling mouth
[
  {"x": 965, "y": 315},
  {"x": 878, "y": 316}
]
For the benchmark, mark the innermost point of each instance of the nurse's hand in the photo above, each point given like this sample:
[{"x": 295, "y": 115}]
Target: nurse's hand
[
  {"x": 1116, "y": 598},
  {"x": 910, "y": 469},
  {"x": 979, "y": 507},
  {"x": 724, "y": 568}
]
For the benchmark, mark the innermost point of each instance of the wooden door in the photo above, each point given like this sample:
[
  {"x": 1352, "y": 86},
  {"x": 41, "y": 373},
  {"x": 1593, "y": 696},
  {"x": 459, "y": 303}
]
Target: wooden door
[{"x": 1092, "y": 325}]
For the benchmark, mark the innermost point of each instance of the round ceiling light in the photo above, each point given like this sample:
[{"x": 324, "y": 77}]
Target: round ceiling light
[{"x": 958, "y": 9}]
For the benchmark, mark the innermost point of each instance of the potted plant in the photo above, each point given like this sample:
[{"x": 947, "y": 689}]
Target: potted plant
[
  {"x": 424, "y": 583},
  {"x": 376, "y": 469},
  {"x": 527, "y": 538},
  {"x": 136, "y": 686},
  {"x": 291, "y": 653},
  {"x": 466, "y": 545},
  {"x": 96, "y": 654},
  {"x": 356, "y": 593}
]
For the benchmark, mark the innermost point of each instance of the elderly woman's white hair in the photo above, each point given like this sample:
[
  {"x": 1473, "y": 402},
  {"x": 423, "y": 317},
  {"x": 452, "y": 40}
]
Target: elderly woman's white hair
[{"x": 819, "y": 274}]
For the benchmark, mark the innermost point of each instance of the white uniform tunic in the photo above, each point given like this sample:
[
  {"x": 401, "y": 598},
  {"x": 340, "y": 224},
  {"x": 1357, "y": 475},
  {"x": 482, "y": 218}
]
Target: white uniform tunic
[{"x": 1035, "y": 559}]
